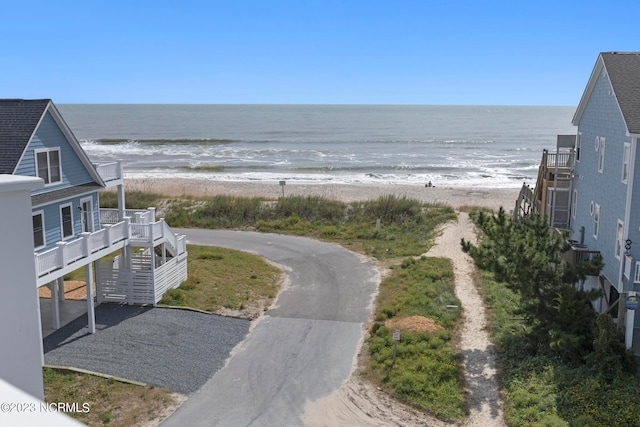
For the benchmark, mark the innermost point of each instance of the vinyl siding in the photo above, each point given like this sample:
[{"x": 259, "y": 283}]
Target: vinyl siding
[
  {"x": 49, "y": 135},
  {"x": 52, "y": 223},
  {"x": 602, "y": 118}
]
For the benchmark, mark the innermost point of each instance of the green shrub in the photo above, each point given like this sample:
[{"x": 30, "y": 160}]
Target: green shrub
[{"x": 174, "y": 297}]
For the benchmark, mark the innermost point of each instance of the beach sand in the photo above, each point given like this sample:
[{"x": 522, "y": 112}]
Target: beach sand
[{"x": 456, "y": 197}]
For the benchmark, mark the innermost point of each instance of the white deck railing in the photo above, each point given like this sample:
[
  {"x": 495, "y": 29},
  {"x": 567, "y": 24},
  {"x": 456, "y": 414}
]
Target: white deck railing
[
  {"x": 564, "y": 159},
  {"x": 66, "y": 254},
  {"x": 137, "y": 216},
  {"x": 111, "y": 173}
]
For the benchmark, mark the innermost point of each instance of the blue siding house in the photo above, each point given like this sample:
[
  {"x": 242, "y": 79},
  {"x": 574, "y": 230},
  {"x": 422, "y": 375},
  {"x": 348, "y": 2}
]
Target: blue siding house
[
  {"x": 70, "y": 231},
  {"x": 605, "y": 199}
]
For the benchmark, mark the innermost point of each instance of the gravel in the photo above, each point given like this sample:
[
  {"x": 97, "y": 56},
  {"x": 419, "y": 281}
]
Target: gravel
[{"x": 175, "y": 349}]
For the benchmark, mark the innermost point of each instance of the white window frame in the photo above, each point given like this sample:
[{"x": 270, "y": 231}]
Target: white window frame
[
  {"x": 596, "y": 221},
  {"x": 44, "y": 233},
  {"x": 48, "y": 178},
  {"x": 626, "y": 158},
  {"x": 62, "y": 236},
  {"x": 578, "y": 145},
  {"x": 636, "y": 275},
  {"x": 574, "y": 204},
  {"x": 601, "y": 146},
  {"x": 619, "y": 233}
]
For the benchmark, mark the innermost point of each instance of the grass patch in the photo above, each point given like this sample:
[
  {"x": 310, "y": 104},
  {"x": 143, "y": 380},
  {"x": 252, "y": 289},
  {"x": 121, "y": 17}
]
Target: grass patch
[
  {"x": 426, "y": 373},
  {"x": 133, "y": 199},
  {"x": 221, "y": 279},
  {"x": 110, "y": 402},
  {"x": 406, "y": 225},
  {"x": 543, "y": 390}
]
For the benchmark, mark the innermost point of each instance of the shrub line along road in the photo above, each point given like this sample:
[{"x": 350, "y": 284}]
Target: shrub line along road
[{"x": 303, "y": 349}]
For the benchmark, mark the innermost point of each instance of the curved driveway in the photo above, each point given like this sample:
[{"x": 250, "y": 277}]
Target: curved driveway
[{"x": 305, "y": 346}]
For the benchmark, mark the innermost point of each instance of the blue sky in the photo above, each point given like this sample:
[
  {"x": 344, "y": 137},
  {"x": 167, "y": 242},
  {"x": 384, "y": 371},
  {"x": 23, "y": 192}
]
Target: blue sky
[{"x": 517, "y": 52}]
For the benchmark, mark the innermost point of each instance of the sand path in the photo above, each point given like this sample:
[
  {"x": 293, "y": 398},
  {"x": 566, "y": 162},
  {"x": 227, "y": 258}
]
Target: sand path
[
  {"x": 358, "y": 403},
  {"x": 479, "y": 359}
]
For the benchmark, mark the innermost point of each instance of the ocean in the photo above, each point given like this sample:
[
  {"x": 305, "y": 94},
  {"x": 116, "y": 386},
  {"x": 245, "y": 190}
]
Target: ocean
[{"x": 456, "y": 146}]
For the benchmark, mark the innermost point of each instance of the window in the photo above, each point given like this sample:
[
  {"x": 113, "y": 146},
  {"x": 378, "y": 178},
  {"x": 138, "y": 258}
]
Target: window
[
  {"x": 600, "y": 146},
  {"x": 625, "y": 162},
  {"x": 619, "y": 232},
  {"x": 596, "y": 220},
  {"x": 578, "y": 146},
  {"x": 48, "y": 165},
  {"x": 38, "y": 230},
  {"x": 574, "y": 204},
  {"x": 636, "y": 276},
  {"x": 66, "y": 221}
]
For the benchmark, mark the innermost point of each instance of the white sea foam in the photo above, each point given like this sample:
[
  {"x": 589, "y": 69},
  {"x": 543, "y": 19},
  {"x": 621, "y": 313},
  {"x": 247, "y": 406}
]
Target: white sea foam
[{"x": 447, "y": 145}]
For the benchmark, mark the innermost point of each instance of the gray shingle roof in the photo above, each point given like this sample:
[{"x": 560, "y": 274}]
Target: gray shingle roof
[
  {"x": 18, "y": 120},
  {"x": 623, "y": 69},
  {"x": 65, "y": 193}
]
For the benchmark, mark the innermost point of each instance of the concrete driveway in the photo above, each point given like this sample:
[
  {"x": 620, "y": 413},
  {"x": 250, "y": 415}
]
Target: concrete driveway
[{"x": 303, "y": 349}]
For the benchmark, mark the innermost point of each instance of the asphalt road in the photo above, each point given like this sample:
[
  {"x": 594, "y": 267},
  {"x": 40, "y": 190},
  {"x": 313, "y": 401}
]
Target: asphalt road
[{"x": 302, "y": 350}]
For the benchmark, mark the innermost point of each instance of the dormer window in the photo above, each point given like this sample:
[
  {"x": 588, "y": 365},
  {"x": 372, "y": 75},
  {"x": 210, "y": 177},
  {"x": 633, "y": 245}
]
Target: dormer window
[{"x": 48, "y": 165}]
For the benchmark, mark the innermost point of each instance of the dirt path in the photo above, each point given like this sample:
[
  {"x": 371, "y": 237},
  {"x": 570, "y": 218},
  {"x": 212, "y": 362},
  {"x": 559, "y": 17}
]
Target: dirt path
[{"x": 358, "y": 403}]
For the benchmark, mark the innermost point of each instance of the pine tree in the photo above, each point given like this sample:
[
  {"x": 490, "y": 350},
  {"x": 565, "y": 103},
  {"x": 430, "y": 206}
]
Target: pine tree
[{"x": 527, "y": 256}]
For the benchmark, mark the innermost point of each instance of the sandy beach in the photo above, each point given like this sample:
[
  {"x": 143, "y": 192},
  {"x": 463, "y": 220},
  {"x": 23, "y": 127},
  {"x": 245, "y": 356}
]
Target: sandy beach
[{"x": 454, "y": 196}]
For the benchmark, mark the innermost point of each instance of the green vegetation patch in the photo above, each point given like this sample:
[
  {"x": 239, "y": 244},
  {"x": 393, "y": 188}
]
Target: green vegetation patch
[
  {"x": 426, "y": 372},
  {"x": 133, "y": 199},
  {"x": 225, "y": 279},
  {"x": 103, "y": 401},
  {"x": 406, "y": 225},
  {"x": 587, "y": 381}
]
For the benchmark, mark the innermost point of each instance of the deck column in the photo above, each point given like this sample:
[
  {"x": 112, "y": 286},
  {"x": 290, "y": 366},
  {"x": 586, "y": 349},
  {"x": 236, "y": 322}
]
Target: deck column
[
  {"x": 55, "y": 304},
  {"x": 629, "y": 324},
  {"x": 91, "y": 314},
  {"x": 128, "y": 266},
  {"x": 61, "y": 288},
  {"x": 121, "y": 207}
]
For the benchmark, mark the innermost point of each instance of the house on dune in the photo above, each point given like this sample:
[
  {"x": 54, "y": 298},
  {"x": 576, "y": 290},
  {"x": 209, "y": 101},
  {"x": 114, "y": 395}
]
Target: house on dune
[
  {"x": 70, "y": 230},
  {"x": 590, "y": 186}
]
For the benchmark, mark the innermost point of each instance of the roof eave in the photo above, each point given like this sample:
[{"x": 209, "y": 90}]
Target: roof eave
[
  {"x": 597, "y": 69},
  {"x": 75, "y": 144},
  {"x": 15, "y": 168}
]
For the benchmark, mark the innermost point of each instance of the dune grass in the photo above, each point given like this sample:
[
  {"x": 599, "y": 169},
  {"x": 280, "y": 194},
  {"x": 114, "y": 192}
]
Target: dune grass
[
  {"x": 406, "y": 226},
  {"x": 426, "y": 372}
]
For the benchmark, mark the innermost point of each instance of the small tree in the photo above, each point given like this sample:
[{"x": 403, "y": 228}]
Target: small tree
[{"x": 526, "y": 256}]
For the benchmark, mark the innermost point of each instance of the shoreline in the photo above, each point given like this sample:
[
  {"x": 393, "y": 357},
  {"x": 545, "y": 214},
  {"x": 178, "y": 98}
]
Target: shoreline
[{"x": 492, "y": 198}]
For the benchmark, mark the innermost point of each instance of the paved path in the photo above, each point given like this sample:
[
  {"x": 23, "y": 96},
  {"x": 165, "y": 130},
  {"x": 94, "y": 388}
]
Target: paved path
[{"x": 303, "y": 349}]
